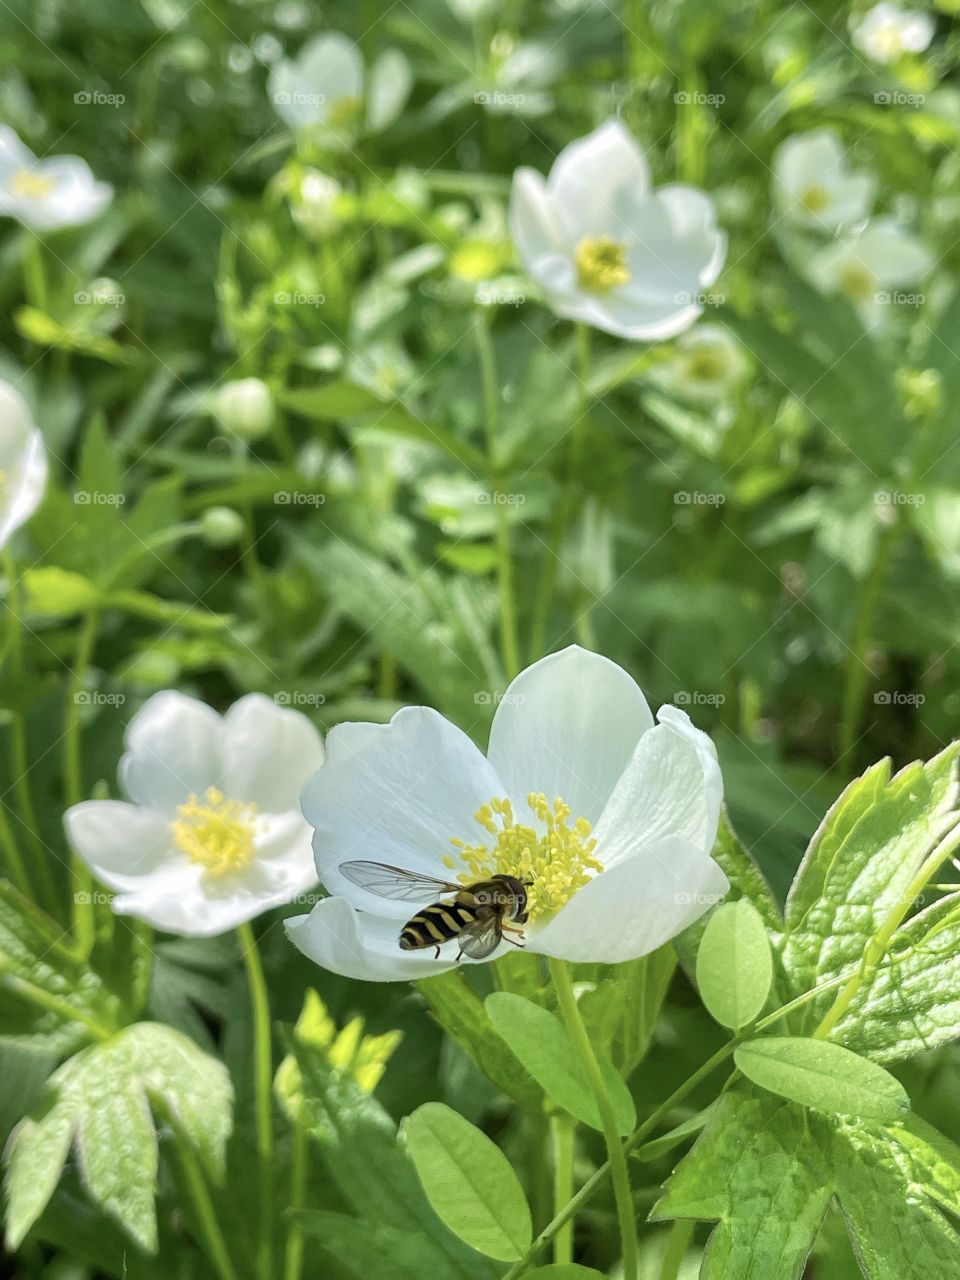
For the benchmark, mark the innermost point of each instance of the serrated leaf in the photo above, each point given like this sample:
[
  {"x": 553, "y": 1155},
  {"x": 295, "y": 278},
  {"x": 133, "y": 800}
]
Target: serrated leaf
[
  {"x": 735, "y": 964},
  {"x": 100, "y": 1100},
  {"x": 469, "y": 1182},
  {"x": 819, "y": 1074},
  {"x": 543, "y": 1046},
  {"x": 858, "y": 866}
]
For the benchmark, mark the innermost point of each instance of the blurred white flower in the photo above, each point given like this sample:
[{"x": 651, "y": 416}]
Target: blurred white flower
[
  {"x": 47, "y": 194},
  {"x": 886, "y": 32},
  {"x": 866, "y": 267},
  {"x": 607, "y": 249},
  {"x": 23, "y": 462},
  {"x": 609, "y": 817},
  {"x": 326, "y": 92},
  {"x": 813, "y": 186},
  {"x": 211, "y": 835},
  {"x": 314, "y": 203},
  {"x": 709, "y": 364},
  {"x": 244, "y": 407}
]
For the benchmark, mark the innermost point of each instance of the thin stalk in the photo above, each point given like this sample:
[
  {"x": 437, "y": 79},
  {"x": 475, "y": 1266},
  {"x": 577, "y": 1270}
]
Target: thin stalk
[
  {"x": 34, "y": 273},
  {"x": 210, "y": 1230},
  {"x": 263, "y": 1092},
  {"x": 616, "y": 1154},
  {"x": 293, "y": 1254},
  {"x": 84, "y": 922},
  {"x": 562, "y": 1128},
  {"x": 675, "y": 1249},
  {"x": 499, "y": 485}
]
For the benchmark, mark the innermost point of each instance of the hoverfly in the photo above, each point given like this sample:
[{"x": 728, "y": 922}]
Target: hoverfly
[{"x": 479, "y": 916}]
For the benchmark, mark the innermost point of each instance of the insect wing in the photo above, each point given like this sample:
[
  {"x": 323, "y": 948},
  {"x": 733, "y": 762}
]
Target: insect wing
[
  {"x": 481, "y": 937},
  {"x": 393, "y": 882}
]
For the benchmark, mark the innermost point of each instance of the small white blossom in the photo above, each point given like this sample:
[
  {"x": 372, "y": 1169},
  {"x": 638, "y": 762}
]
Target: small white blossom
[
  {"x": 606, "y": 248},
  {"x": 211, "y": 835},
  {"x": 708, "y": 364},
  {"x": 865, "y": 268},
  {"x": 813, "y": 187},
  {"x": 886, "y": 32},
  {"x": 47, "y": 194},
  {"x": 23, "y": 462}
]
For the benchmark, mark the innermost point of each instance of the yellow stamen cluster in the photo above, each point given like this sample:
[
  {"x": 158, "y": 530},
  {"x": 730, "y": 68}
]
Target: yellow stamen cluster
[
  {"x": 705, "y": 366},
  {"x": 856, "y": 282},
  {"x": 601, "y": 263},
  {"x": 215, "y": 832},
  {"x": 555, "y": 863},
  {"x": 33, "y": 185},
  {"x": 815, "y": 198},
  {"x": 344, "y": 112}
]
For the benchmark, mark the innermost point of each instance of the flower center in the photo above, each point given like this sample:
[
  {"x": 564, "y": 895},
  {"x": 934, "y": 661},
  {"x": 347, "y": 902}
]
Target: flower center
[
  {"x": 31, "y": 184},
  {"x": 601, "y": 263},
  {"x": 216, "y": 832},
  {"x": 344, "y": 112},
  {"x": 856, "y": 282},
  {"x": 705, "y": 366},
  {"x": 815, "y": 198},
  {"x": 555, "y": 864}
]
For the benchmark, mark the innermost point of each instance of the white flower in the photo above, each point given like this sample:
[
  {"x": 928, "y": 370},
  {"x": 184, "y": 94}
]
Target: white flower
[
  {"x": 607, "y": 249},
  {"x": 325, "y": 92},
  {"x": 314, "y": 205},
  {"x": 47, "y": 194},
  {"x": 887, "y": 32},
  {"x": 865, "y": 268},
  {"x": 244, "y": 407},
  {"x": 23, "y": 462},
  {"x": 813, "y": 186},
  {"x": 211, "y": 835},
  {"x": 709, "y": 364},
  {"x": 629, "y": 808}
]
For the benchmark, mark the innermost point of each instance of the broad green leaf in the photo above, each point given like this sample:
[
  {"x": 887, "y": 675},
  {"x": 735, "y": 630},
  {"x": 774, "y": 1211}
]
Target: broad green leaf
[
  {"x": 819, "y": 1074},
  {"x": 368, "y": 1249},
  {"x": 735, "y": 964},
  {"x": 766, "y": 1170},
  {"x": 461, "y": 1013},
  {"x": 469, "y": 1182},
  {"x": 59, "y": 593},
  {"x": 564, "y": 1271},
  {"x": 100, "y": 1101},
  {"x": 859, "y": 865},
  {"x": 543, "y": 1046},
  {"x": 621, "y": 1009},
  {"x": 333, "y": 401}
]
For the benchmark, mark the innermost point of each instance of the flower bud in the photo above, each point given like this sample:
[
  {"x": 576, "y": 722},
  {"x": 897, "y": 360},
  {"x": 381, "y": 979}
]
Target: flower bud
[
  {"x": 315, "y": 202},
  {"x": 244, "y": 408},
  {"x": 221, "y": 526}
]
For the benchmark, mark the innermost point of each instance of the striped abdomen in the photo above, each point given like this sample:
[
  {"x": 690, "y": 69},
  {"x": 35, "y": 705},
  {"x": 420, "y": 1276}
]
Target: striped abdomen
[{"x": 437, "y": 924}]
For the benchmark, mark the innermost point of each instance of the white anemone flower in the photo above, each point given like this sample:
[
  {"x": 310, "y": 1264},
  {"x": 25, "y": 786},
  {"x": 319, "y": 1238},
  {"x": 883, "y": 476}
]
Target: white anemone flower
[
  {"x": 23, "y": 462},
  {"x": 211, "y": 835},
  {"x": 606, "y": 248},
  {"x": 871, "y": 268},
  {"x": 47, "y": 194},
  {"x": 886, "y": 32},
  {"x": 813, "y": 187},
  {"x": 709, "y": 364},
  {"x": 326, "y": 93},
  {"x": 608, "y": 816}
]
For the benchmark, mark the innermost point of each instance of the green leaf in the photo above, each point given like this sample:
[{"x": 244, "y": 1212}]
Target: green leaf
[
  {"x": 59, "y": 593},
  {"x": 735, "y": 964},
  {"x": 332, "y": 402},
  {"x": 461, "y": 1013},
  {"x": 819, "y": 1074},
  {"x": 564, "y": 1271},
  {"x": 100, "y": 1101},
  {"x": 469, "y": 1182},
  {"x": 858, "y": 866},
  {"x": 543, "y": 1046},
  {"x": 621, "y": 1010},
  {"x": 766, "y": 1170}
]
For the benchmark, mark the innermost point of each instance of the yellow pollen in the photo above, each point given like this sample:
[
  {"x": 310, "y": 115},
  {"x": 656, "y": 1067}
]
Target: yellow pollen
[
  {"x": 705, "y": 366},
  {"x": 601, "y": 263},
  {"x": 856, "y": 282},
  {"x": 216, "y": 832},
  {"x": 815, "y": 199},
  {"x": 344, "y": 112},
  {"x": 31, "y": 184},
  {"x": 555, "y": 861}
]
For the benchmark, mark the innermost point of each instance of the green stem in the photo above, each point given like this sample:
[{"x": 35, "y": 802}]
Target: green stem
[
  {"x": 213, "y": 1238},
  {"x": 566, "y": 508},
  {"x": 562, "y": 1129},
  {"x": 877, "y": 947},
  {"x": 499, "y": 486},
  {"x": 675, "y": 1249},
  {"x": 856, "y": 671},
  {"x": 34, "y": 274},
  {"x": 293, "y": 1256},
  {"x": 263, "y": 1092},
  {"x": 50, "y": 1003},
  {"x": 616, "y": 1154},
  {"x": 83, "y": 915}
]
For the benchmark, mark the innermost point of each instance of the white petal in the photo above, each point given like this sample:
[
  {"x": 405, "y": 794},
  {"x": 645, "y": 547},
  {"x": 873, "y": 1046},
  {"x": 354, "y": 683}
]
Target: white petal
[
  {"x": 269, "y": 752},
  {"x": 179, "y": 901},
  {"x": 122, "y": 844},
  {"x": 172, "y": 751},
  {"x": 567, "y": 726},
  {"x": 395, "y": 793},
  {"x": 634, "y": 907},
  {"x": 532, "y": 223},
  {"x": 357, "y": 945},
  {"x": 389, "y": 82},
  {"x": 76, "y": 197},
  {"x": 14, "y": 154},
  {"x": 306, "y": 89},
  {"x": 23, "y": 462},
  {"x": 671, "y": 787},
  {"x": 589, "y": 176}
]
